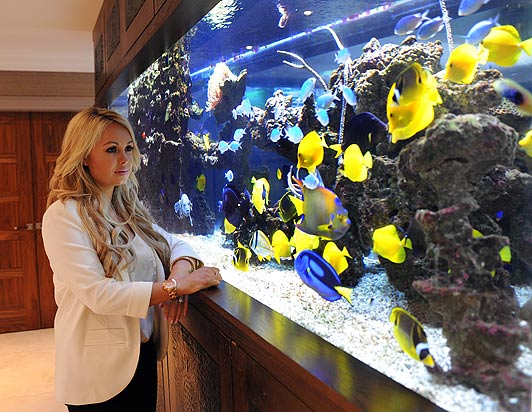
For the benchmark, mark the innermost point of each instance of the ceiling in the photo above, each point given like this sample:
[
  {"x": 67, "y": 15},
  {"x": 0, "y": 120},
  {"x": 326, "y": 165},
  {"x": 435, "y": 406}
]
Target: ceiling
[{"x": 47, "y": 35}]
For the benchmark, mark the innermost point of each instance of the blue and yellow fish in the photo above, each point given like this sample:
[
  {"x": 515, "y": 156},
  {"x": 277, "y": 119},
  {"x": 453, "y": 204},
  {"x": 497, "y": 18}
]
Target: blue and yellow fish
[
  {"x": 320, "y": 276},
  {"x": 411, "y": 336},
  {"x": 260, "y": 193},
  {"x": 241, "y": 256},
  {"x": 516, "y": 93},
  {"x": 386, "y": 243},
  {"x": 323, "y": 214}
]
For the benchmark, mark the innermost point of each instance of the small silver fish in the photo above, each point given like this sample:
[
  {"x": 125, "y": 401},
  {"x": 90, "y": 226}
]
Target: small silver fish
[
  {"x": 229, "y": 175},
  {"x": 322, "y": 117},
  {"x": 430, "y": 28},
  {"x": 468, "y": 7},
  {"x": 408, "y": 24},
  {"x": 480, "y": 30}
]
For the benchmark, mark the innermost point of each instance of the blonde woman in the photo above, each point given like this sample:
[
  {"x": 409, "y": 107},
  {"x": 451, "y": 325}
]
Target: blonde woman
[{"x": 114, "y": 270}]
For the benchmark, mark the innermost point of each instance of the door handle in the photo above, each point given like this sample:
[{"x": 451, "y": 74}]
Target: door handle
[{"x": 28, "y": 226}]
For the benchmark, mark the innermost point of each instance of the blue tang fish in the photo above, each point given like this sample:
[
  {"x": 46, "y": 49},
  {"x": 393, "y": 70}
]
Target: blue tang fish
[
  {"x": 323, "y": 213},
  {"x": 235, "y": 205},
  {"x": 320, "y": 276}
]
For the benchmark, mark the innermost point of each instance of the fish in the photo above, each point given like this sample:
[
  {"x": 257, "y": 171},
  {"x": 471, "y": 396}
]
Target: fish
[
  {"x": 336, "y": 257},
  {"x": 183, "y": 208},
  {"x": 295, "y": 134},
  {"x": 408, "y": 24},
  {"x": 306, "y": 89},
  {"x": 342, "y": 56},
  {"x": 312, "y": 181},
  {"x": 323, "y": 117},
  {"x": 504, "y": 253},
  {"x": 430, "y": 28},
  {"x": 356, "y": 165},
  {"x": 411, "y": 337},
  {"x": 281, "y": 246},
  {"x": 304, "y": 241},
  {"x": 366, "y": 130},
  {"x": 234, "y": 145},
  {"x": 229, "y": 175},
  {"x": 206, "y": 141},
  {"x": 223, "y": 146},
  {"x": 505, "y": 46},
  {"x": 241, "y": 256},
  {"x": 480, "y": 30},
  {"x": 409, "y": 107},
  {"x": 235, "y": 205},
  {"x": 320, "y": 276},
  {"x": 275, "y": 135},
  {"x": 323, "y": 214},
  {"x": 260, "y": 193},
  {"x": 201, "y": 182},
  {"x": 526, "y": 143},
  {"x": 517, "y": 94},
  {"x": 168, "y": 111},
  {"x": 349, "y": 96},
  {"x": 239, "y": 133},
  {"x": 468, "y": 7},
  {"x": 462, "y": 64},
  {"x": 326, "y": 100},
  {"x": 310, "y": 151},
  {"x": 387, "y": 244},
  {"x": 261, "y": 246},
  {"x": 228, "y": 227},
  {"x": 243, "y": 109},
  {"x": 279, "y": 174},
  {"x": 286, "y": 207}
]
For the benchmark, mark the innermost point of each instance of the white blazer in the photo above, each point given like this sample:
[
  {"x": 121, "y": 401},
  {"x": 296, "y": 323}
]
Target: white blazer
[{"x": 97, "y": 327}]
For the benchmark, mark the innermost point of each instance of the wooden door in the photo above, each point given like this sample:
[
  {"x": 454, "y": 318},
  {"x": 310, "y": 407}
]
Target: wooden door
[
  {"x": 19, "y": 297},
  {"x": 47, "y": 130}
]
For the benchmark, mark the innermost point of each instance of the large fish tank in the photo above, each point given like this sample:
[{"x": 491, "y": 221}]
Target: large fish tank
[{"x": 230, "y": 95}]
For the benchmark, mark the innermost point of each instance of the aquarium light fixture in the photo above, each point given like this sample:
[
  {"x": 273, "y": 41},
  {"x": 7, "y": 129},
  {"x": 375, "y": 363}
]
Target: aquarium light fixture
[{"x": 204, "y": 72}]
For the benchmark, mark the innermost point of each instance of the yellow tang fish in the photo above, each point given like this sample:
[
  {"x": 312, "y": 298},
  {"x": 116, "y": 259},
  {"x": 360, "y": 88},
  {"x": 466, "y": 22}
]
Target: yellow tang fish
[
  {"x": 260, "y": 193},
  {"x": 505, "y": 46},
  {"x": 355, "y": 165},
  {"x": 516, "y": 93},
  {"x": 336, "y": 257},
  {"x": 505, "y": 253},
  {"x": 410, "y": 102},
  {"x": 304, "y": 241},
  {"x": 201, "y": 181},
  {"x": 462, "y": 64},
  {"x": 206, "y": 141},
  {"x": 310, "y": 151},
  {"x": 386, "y": 243},
  {"x": 241, "y": 256},
  {"x": 526, "y": 143},
  {"x": 281, "y": 246},
  {"x": 279, "y": 174},
  {"x": 411, "y": 336}
]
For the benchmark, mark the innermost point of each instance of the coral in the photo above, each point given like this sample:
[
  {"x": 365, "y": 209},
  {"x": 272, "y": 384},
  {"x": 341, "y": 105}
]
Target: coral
[{"x": 224, "y": 91}]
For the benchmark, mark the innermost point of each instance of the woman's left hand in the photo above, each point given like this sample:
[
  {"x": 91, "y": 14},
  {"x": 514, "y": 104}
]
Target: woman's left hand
[{"x": 175, "y": 309}]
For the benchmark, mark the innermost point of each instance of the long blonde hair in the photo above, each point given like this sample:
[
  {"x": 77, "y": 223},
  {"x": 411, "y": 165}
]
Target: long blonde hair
[{"x": 72, "y": 180}]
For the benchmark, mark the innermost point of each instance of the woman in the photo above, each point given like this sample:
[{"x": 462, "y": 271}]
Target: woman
[{"x": 110, "y": 262}]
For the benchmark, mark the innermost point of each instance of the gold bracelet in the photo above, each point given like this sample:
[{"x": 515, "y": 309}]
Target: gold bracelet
[
  {"x": 170, "y": 287},
  {"x": 192, "y": 261}
]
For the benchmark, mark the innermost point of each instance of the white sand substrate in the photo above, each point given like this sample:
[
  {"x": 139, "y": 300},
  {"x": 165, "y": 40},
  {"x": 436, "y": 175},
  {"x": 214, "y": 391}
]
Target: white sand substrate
[{"x": 362, "y": 329}]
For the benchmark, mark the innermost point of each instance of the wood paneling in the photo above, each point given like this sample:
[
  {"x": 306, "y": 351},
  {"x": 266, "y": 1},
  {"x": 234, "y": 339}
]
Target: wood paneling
[
  {"x": 19, "y": 298},
  {"x": 47, "y": 131}
]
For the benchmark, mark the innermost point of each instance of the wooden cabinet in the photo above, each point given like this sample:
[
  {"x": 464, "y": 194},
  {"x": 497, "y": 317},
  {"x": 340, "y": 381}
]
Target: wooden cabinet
[
  {"x": 29, "y": 145},
  {"x": 231, "y": 353}
]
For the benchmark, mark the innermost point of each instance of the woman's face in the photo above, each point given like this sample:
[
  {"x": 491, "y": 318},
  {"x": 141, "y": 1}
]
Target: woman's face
[{"x": 110, "y": 161}]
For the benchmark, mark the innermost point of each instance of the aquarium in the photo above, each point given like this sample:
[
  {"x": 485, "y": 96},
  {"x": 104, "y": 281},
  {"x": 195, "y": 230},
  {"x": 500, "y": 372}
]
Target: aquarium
[{"x": 363, "y": 168}]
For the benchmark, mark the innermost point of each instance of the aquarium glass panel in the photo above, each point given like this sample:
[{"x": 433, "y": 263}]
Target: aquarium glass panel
[{"x": 363, "y": 168}]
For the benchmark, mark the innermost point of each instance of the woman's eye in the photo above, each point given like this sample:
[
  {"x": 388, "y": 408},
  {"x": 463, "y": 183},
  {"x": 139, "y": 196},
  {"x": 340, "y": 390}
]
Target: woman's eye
[
  {"x": 129, "y": 148},
  {"x": 111, "y": 150}
]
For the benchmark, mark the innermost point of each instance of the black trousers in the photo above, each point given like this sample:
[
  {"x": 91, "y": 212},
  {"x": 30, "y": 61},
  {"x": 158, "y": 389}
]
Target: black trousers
[{"x": 140, "y": 395}]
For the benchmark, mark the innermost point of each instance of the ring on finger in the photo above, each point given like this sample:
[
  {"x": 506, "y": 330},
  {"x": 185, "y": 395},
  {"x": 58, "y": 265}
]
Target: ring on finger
[{"x": 181, "y": 299}]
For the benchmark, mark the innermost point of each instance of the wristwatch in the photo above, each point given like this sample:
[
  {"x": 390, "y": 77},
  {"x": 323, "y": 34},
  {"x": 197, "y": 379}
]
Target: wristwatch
[{"x": 170, "y": 287}]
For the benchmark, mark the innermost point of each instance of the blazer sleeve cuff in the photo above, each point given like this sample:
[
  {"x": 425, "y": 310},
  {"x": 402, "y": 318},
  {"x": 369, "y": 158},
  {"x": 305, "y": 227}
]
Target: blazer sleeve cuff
[{"x": 139, "y": 299}]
